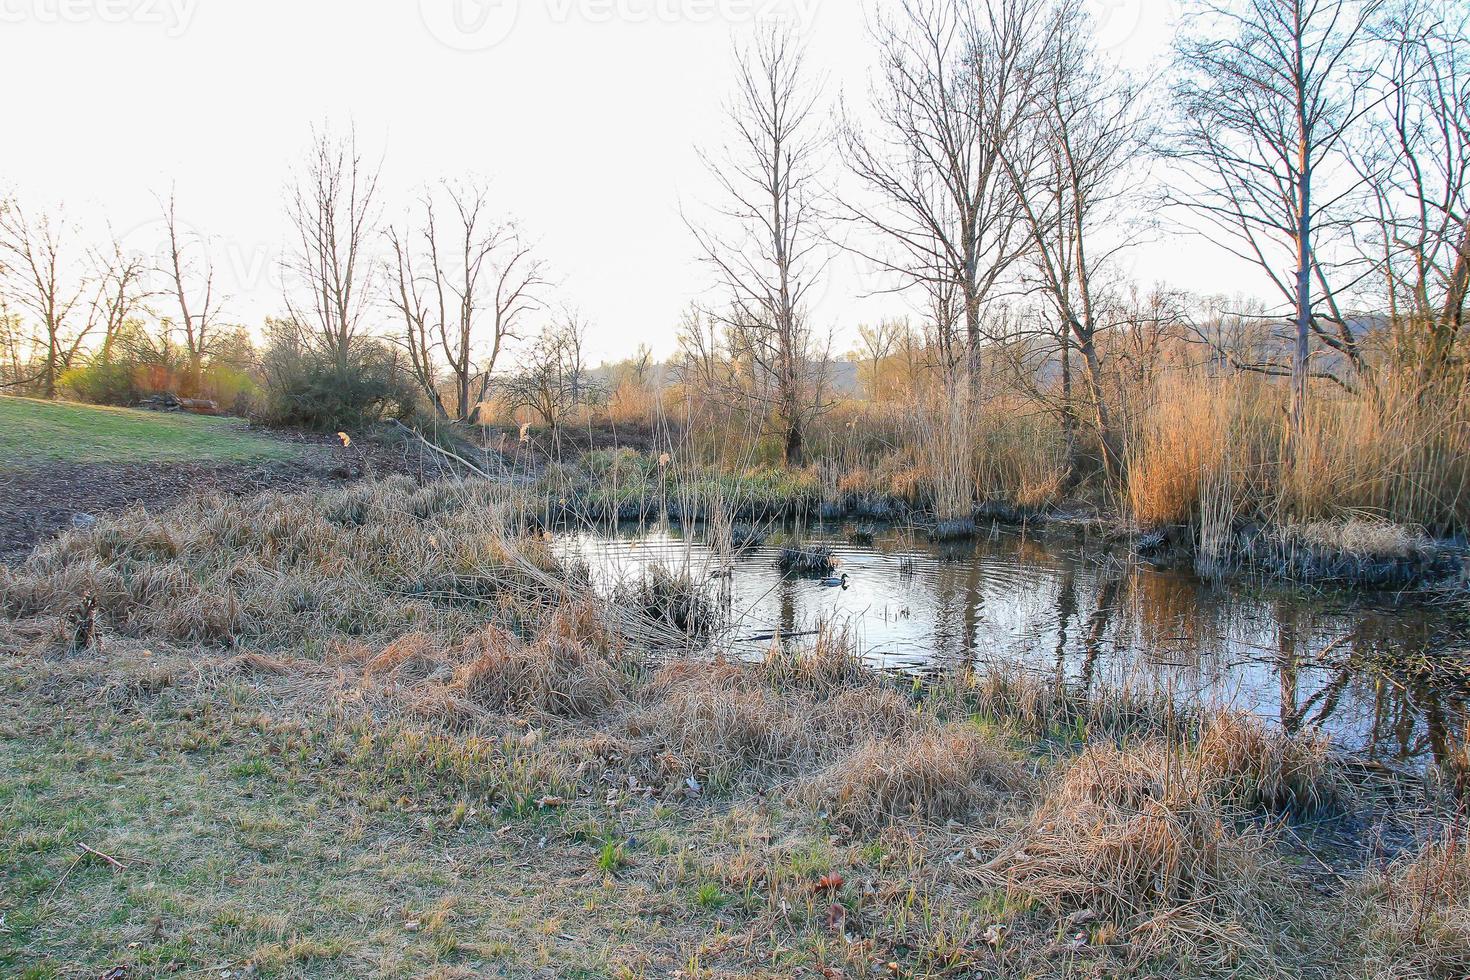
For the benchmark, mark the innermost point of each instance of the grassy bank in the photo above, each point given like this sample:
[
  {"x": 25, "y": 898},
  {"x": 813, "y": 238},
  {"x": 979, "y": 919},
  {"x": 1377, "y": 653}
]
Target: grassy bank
[
  {"x": 381, "y": 732},
  {"x": 34, "y": 432}
]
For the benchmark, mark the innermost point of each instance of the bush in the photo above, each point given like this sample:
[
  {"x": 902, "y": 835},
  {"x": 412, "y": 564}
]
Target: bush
[
  {"x": 313, "y": 390},
  {"x": 109, "y": 382},
  {"x": 139, "y": 364}
]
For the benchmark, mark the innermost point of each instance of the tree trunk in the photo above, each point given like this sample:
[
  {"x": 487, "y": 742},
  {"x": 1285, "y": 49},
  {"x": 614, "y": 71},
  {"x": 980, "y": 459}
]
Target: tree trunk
[
  {"x": 794, "y": 452},
  {"x": 1112, "y": 453}
]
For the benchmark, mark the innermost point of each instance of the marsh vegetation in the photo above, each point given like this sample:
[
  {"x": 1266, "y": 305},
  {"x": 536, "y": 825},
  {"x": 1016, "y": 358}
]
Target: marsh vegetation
[{"x": 386, "y": 729}]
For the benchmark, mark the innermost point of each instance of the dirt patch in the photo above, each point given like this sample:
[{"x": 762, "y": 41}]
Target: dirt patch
[{"x": 38, "y": 501}]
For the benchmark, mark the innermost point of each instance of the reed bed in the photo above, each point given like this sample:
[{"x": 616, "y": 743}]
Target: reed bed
[{"x": 1400, "y": 453}]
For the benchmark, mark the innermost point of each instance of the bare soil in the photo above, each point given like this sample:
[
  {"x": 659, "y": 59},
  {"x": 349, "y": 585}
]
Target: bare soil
[{"x": 40, "y": 500}]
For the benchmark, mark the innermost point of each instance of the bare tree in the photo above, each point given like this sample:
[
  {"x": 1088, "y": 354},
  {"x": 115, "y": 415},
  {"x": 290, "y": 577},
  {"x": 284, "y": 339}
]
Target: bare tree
[
  {"x": 768, "y": 252},
  {"x": 876, "y": 344},
  {"x": 41, "y": 279},
  {"x": 551, "y": 381},
  {"x": 950, "y": 98},
  {"x": 1268, "y": 97},
  {"x": 120, "y": 291},
  {"x": 1415, "y": 159},
  {"x": 1086, "y": 135},
  {"x": 461, "y": 294},
  {"x": 333, "y": 212},
  {"x": 189, "y": 273}
]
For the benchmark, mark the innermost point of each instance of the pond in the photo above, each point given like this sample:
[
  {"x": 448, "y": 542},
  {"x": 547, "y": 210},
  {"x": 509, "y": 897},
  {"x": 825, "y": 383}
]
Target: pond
[{"x": 1072, "y": 607}]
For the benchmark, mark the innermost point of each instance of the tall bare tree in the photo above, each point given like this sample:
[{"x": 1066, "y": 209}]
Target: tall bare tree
[
  {"x": 42, "y": 278},
  {"x": 333, "y": 212},
  {"x": 1416, "y": 162},
  {"x": 461, "y": 292},
  {"x": 951, "y": 95},
  {"x": 767, "y": 241},
  {"x": 1085, "y": 136},
  {"x": 189, "y": 272},
  {"x": 120, "y": 289},
  {"x": 1267, "y": 95}
]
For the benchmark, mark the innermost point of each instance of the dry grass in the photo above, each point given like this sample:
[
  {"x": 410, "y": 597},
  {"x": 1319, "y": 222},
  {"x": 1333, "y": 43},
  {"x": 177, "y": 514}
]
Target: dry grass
[
  {"x": 1401, "y": 454},
  {"x": 554, "y": 675},
  {"x": 1041, "y": 707},
  {"x": 829, "y": 662},
  {"x": 1136, "y": 837},
  {"x": 493, "y": 759},
  {"x": 1417, "y": 911},
  {"x": 802, "y": 559},
  {"x": 372, "y": 561},
  {"x": 726, "y": 725},
  {"x": 1261, "y": 768},
  {"x": 928, "y": 775}
]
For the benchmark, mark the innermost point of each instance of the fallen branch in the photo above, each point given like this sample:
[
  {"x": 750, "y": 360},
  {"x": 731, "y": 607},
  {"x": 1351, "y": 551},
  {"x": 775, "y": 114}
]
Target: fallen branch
[
  {"x": 442, "y": 451},
  {"x": 106, "y": 857}
]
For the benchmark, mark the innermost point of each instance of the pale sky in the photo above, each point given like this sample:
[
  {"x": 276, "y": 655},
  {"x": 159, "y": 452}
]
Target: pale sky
[{"x": 584, "y": 114}]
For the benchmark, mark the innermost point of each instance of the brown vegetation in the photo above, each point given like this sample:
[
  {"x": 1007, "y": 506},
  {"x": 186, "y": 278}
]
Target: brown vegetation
[{"x": 976, "y": 818}]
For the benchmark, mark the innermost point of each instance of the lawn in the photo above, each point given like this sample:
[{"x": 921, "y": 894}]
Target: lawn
[{"x": 33, "y": 432}]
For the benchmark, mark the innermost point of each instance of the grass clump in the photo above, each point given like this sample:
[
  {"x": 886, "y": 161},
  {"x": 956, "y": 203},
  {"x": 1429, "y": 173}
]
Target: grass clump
[
  {"x": 1264, "y": 769},
  {"x": 829, "y": 662},
  {"x": 1134, "y": 835},
  {"x": 563, "y": 672},
  {"x": 672, "y": 602},
  {"x": 929, "y": 775},
  {"x": 798, "y": 559},
  {"x": 1417, "y": 911}
]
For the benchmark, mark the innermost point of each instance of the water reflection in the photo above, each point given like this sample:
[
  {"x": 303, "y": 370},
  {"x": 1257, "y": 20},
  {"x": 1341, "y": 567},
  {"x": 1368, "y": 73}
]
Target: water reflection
[{"x": 1087, "y": 616}]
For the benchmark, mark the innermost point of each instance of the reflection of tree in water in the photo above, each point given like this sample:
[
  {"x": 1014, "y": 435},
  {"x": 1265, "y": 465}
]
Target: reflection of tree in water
[
  {"x": 1305, "y": 660},
  {"x": 959, "y": 602},
  {"x": 1387, "y": 658},
  {"x": 1097, "y": 627},
  {"x": 1066, "y": 606}
]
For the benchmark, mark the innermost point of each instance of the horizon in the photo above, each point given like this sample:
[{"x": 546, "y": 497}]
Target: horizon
[{"x": 612, "y": 231}]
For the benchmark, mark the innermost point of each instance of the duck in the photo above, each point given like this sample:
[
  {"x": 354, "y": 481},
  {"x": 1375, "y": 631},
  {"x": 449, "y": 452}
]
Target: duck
[{"x": 835, "y": 583}]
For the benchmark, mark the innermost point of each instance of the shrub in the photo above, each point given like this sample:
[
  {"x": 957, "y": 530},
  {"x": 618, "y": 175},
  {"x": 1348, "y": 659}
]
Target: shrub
[{"x": 314, "y": 390}]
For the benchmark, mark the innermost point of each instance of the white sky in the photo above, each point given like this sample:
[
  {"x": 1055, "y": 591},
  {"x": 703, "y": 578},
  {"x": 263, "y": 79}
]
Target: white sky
[{"x": 586, "y": 115}]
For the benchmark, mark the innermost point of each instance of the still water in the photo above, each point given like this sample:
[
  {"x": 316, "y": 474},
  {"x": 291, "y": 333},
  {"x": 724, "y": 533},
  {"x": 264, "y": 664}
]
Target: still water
[{"x": 1076, "y": 609}]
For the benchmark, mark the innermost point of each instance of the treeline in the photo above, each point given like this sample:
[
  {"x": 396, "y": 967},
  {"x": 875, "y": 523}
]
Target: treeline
[
  {"x": 995, "y": 175},
  {"x": 998, "y": 174}
]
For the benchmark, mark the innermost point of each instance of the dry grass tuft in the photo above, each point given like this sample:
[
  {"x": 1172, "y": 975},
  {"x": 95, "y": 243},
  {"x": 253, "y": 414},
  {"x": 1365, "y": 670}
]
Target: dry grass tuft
[
  {"x": 801, "y": 559},
  {"x": 1038, "y": 706},
  {"x": 412, "y": 657},
  {"x": 1264, "y": 769},
  {"x": 554, "y": 675},
  {"x": 829, "y": 662},
  {"x": 720, "y": 723},
  {"x": 1418, "y": 911},
  {"x": 932, "y": 775},
  {"x": 1133, "y": 834},
  {"x": 704, "y": 727}
]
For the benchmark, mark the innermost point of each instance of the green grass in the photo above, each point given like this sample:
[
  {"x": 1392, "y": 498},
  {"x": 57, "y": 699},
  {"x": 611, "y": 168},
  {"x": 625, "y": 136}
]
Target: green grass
[{"x": 34, "y": 432}]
